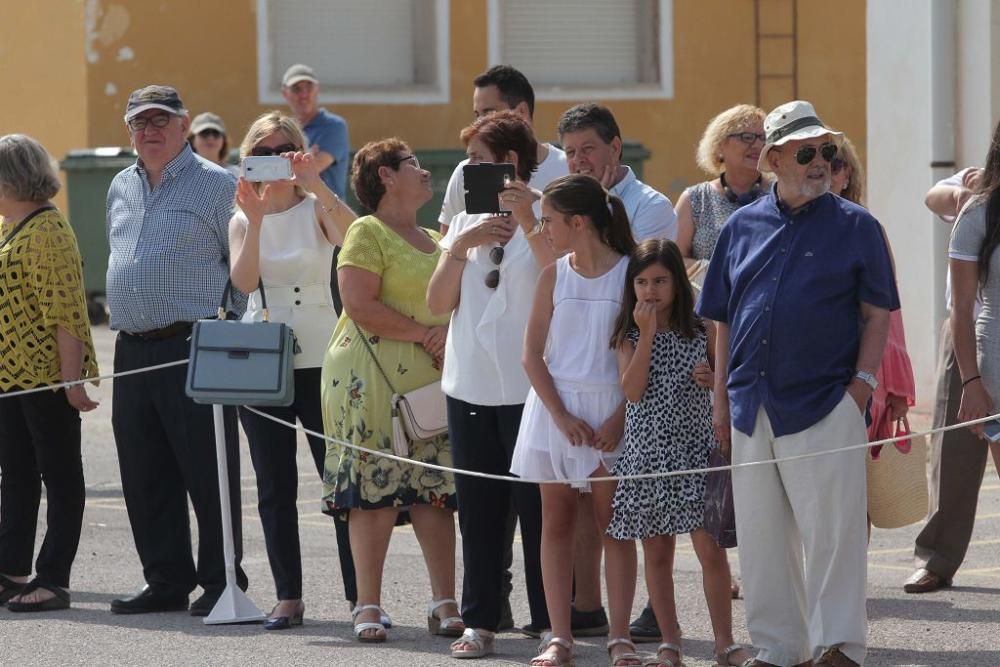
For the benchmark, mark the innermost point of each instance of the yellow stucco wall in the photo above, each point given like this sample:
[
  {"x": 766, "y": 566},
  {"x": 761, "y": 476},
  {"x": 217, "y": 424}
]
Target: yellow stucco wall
[
  {"x": 208, "y": 51},
  {"x": 43, "y": 74}
]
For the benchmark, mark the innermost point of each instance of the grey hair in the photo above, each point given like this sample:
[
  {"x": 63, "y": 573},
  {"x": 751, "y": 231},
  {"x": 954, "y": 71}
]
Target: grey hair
[{"x": 27, "y": 171}]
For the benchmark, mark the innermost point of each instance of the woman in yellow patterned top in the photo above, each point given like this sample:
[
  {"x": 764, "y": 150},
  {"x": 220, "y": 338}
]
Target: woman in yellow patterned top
[
  {"x": 44, "y": 340},
  {"x": 385, "y": 265}
]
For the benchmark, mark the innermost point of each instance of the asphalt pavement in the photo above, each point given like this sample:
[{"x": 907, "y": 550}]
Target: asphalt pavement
[{"x": 959, "y": 626}]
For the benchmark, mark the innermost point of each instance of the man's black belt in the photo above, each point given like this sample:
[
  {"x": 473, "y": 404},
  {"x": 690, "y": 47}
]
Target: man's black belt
[{"x": 169, "y": 331}]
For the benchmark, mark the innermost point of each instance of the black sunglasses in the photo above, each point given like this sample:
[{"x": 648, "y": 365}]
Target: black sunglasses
[
  {"x": 212, "y": 134},
  {"x": 807, "y": 154},
  {"x": 748, "y": 137},
  {"x": 837, "y": 165},
  {"x": 264, "y": 151},
  {"x": 493, "y": 277}
]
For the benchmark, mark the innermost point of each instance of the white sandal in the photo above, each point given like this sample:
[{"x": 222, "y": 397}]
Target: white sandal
[
  {"x": 453, "y": 626},
  {"x": 666, "y": 662},
  {"x": 483, "y": 643},
  {"x": 554, "y": 660},
  {"x": 631, "y": 659},
  {"x": 364, "y": 627},
  {"x": 722, "y": 658}
]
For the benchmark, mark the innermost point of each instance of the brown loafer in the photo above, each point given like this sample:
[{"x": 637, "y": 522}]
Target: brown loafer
[{"x": 925, "y": 581}]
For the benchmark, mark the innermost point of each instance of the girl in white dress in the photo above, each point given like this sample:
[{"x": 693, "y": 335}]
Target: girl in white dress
[{"x": 574, "y": 416}]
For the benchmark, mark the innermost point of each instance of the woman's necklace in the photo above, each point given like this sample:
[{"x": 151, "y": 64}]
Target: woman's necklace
[{"x": 746, "y": 197}]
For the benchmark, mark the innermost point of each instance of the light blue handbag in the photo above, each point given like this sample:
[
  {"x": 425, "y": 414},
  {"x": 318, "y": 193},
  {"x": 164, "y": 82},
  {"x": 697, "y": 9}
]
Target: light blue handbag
[{"x": 241, "y": 363}]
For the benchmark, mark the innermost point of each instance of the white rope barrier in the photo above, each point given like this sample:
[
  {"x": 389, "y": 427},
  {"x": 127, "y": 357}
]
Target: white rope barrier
[
  {"x": 505, "y": 478},
  {"x": 95, "y": 380}
]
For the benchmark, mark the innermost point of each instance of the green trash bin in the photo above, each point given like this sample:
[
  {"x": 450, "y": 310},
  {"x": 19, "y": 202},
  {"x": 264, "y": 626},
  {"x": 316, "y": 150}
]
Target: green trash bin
[
  {"x": 634, "y": 154},
  {"x": 88, "y": 176}
]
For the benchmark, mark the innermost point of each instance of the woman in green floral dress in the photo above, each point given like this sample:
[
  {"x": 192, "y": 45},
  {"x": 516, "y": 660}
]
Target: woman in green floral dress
[{"x": 383, "y": 270}]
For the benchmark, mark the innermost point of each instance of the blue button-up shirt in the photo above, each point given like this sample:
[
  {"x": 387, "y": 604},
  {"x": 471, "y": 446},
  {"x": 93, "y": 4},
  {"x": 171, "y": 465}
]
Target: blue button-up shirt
[
  {"x": 790, "y": 286},
  {"x": 169, "y": 244}
]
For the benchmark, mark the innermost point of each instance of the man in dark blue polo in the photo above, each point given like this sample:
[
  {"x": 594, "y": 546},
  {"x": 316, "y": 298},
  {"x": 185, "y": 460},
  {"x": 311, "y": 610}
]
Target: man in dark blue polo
[{"x": 801, "y": 286}]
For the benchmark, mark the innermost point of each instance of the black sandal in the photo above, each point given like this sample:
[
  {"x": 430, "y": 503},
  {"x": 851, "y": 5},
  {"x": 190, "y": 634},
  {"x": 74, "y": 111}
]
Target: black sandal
[
  {"x": 11, "y": 589},
  {"x": 60, "y": 601}
]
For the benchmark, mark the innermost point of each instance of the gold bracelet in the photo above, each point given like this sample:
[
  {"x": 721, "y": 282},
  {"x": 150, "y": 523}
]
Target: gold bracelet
[{"x": 454, "y": 256}]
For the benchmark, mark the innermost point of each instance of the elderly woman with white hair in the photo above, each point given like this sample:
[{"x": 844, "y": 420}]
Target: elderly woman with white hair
[
  {"x": 45, "y": 340},
  {"x": 728, "y": 151}
]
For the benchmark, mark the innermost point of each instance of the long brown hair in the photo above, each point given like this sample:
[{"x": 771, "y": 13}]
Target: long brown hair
[
  {"x": 989, "y": 189},
  {"x": 582, "y": 194},
  {"x": 665, "y": 253}
]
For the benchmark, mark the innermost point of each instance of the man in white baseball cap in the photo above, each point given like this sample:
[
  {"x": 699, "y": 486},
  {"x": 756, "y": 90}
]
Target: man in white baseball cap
[{"x": 800, "y": 286}]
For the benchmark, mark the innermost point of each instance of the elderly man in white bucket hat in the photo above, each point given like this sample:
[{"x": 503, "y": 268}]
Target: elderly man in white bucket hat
[{"x": 801, "y": 287}]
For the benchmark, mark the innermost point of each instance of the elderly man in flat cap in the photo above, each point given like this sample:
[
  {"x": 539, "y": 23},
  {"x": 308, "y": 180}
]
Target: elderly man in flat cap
[
  {"x": 167, "y": 219},
  {"x": 801, "y": 286}
]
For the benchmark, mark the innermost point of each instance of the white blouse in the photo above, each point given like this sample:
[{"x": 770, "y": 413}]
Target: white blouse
[
  {"x": 482, "y": 361},
  {"x": 296, "y": 261}
]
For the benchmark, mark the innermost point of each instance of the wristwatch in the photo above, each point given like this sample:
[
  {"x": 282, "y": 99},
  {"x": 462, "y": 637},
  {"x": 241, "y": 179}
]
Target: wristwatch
[{"x": 867, "y": 378}]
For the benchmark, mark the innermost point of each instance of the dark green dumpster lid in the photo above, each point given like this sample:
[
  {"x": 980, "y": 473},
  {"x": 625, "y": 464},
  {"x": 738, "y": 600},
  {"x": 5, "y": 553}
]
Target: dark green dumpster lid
[{"x": 102, "y": 157}]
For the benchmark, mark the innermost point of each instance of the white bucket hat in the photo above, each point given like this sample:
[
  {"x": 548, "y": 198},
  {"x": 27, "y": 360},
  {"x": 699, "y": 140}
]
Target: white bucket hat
[{"x": 790, "y": 122}]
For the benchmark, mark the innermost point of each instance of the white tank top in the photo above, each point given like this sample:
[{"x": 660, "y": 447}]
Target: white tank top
[
  {"x": 578, "y": 351},
  {"x": 295, "y": 265}
]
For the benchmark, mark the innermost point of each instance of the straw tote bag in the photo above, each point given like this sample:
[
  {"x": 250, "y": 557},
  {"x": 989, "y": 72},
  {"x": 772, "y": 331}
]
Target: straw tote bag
[
  {"x": 897, "y": 480},
  {"x": 416, "y": 415}
]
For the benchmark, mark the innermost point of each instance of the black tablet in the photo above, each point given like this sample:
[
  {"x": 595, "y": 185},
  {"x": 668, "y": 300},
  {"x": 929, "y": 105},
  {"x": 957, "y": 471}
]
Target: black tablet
[{"x": 483, "y": 184}]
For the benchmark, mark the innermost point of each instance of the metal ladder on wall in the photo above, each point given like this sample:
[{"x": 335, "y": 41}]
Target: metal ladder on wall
[{"x": 775, "y": 51}]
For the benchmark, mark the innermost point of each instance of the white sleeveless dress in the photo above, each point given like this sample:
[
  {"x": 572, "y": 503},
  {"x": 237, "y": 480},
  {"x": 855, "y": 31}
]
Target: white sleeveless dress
[
  {"x": 585, "y": 371},
  {"x": 295, "y": 264}
]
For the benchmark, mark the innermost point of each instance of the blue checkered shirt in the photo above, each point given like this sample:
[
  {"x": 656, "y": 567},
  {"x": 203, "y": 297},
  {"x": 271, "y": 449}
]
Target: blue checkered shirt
[{"x": 169, "y": 244}]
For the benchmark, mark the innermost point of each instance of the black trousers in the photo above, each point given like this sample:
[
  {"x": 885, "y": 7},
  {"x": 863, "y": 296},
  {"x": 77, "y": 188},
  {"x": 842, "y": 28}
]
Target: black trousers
[
  {"x": 40, "y": 443},
  {"x": 272, "y": 450},
  {"x": 166, "y": 453},
  {"x": 483, "y": 439}
]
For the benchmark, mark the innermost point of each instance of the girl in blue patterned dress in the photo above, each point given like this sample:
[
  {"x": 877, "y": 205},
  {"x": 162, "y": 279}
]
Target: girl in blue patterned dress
[{"x": 664, "y": 356}]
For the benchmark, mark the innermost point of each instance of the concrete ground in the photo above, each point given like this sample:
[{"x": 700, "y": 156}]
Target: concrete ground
[{"x": 958, "y": 627}]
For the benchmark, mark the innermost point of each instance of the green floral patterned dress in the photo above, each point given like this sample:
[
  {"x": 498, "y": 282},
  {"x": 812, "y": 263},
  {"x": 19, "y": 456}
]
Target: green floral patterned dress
[{"x": 356, "y": 399}]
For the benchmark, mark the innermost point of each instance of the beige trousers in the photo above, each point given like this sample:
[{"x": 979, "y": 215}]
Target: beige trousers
[{"x": 802, "y": 538}]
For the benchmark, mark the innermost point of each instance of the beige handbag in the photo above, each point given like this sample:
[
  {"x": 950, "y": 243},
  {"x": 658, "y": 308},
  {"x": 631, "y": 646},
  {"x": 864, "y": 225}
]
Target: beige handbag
[
  {"x": 897, "y": 480},
  {"x": 416, "y": 415}
]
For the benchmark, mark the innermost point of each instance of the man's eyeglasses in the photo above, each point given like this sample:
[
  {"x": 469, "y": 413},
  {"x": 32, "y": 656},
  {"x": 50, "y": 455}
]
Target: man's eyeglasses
[
  {"x": 807, "y": 154},
  {"x": 493, "y": 277},
  {"x": 747, "y": 137},
  {"x": 159, "y": 121},
  {"x": 403, "y": 158},
  {"x": 837, "y": 165},
  {"x": 264, "y": 151}
]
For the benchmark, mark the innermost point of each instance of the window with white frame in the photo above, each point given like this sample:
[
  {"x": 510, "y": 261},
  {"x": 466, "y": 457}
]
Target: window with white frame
[
  {"x": 578, "y": 48},
  {"x": 364, "y": 51}
]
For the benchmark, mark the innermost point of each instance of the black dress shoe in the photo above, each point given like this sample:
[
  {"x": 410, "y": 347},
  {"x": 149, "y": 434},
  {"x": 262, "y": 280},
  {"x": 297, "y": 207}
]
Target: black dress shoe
[
  {"x": 645, "y": 628},
  {"x": 588, "y": 623},
  {"x": 148, "y": 601},
  {"x": 203, "y": 606}
]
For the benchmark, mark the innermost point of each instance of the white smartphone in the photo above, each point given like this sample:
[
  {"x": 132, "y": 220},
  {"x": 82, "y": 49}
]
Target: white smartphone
[
  {"x": 991, "y": 430},
  {"x": 266, "y": 168}
]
